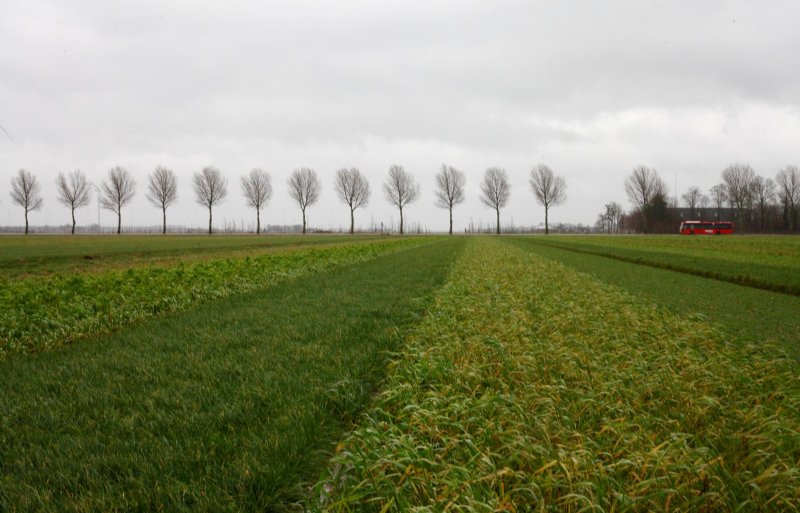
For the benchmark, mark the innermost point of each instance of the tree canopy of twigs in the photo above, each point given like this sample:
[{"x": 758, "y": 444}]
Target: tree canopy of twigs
[
  {"x": 449, "y": 189},
  {"x": 117, "y": 191},
  {"x": 257, "y": 190},
  {"x": 26, "y": 192},
  {"x": 162, "y": 191},
  {"x": 400, "y": 189},
  {"x": 550, "y": 190},
  {"x": 304, "y": 188},
  {"x": 353, "y": 189},
  {"x": 73, "y": 192},
  {"x": 210, "y": 187},
  {"x": 495, "y": 190}
]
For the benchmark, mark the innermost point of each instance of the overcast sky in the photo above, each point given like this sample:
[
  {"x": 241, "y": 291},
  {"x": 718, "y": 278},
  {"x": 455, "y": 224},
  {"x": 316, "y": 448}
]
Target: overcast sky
[{"x": 589, "y": 88}]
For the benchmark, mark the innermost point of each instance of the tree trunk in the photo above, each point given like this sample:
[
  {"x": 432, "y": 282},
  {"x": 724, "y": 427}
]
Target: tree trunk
[
  {"x": 73, "y": 220},
  {"x": 26, "y": 221},
  {"x": 546, "y": 226},
  {"x": 498, "y": 221},
  {"x": 401, "y": 220},
  {"x": 209, "y": 219},
  {"x": 258, "y": 221},
  {"x": 304, "y": 221},
  {"x": 119, "y": 221},
  {"x": 352, "y": 222},
  {"x": 164, "y": 218},
  {"x": 451, "y": 220}
]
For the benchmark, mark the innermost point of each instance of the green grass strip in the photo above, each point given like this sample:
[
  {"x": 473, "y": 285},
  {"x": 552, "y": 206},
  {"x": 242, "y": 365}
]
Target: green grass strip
[
  {"x": 231, "y": 406},
  {"x": 39, "y": 314},
  {"x": 534, "y": 387},
  {"x": 762, "y": 275},
  {"x": 745, "y": 313},
  {"x": 24, "y": 256}
]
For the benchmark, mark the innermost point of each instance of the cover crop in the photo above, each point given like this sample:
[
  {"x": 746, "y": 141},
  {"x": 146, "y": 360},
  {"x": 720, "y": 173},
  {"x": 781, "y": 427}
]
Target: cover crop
[
  {"x": 532, "y": 387},
  {"x": 38, "y": 314},
  {"x": 769, "y": 263}
]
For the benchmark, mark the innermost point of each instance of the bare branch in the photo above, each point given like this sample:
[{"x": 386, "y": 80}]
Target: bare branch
[
  {"x": 73, "y": 192},
  {"x": 495, "y": 190},
  {"x": 692, "y": 199},
  {"x": 26, "y": 192},
  {"x": 549, "y": 190},
  {"x": 117, "y": 191},
  {"x": 353, "y": 189},
  {"x": 162, "y": 191},
  {"x": 400, "y": 189},
  {"x": 449, "y": 189},
  {"x": 304, "y": 188},
  {"x": 210, "y": 187},
  {"x": 257, "y": 190},
  {"x": 738, "y": 179}
]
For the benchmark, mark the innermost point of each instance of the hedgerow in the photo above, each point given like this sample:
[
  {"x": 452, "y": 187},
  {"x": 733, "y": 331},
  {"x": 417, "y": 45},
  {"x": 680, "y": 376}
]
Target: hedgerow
[{"x": 531, "y": 387}]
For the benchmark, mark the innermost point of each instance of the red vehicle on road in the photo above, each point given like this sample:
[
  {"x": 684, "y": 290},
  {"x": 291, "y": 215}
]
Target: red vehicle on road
[{"x": 706, "y": 228}]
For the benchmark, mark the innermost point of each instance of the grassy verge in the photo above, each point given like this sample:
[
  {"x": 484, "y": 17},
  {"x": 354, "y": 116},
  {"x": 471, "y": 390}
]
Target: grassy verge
[
  {"x": 37, "y": 255},
  {"x": 768, "y": 263},
  {"x": 746, "y": 314},
  {"x": 41, "y": 314},
  {"x": 228, "y": 407},
  {"x": 531, "y": 387}
]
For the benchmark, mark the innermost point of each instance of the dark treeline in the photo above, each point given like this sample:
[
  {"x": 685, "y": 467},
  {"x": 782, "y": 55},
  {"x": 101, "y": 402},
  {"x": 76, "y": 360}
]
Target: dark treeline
[{"x": 755, "y": 203}]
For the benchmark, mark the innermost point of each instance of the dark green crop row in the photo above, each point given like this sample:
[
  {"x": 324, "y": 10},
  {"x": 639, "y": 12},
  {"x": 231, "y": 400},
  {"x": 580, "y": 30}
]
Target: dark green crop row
[
  {"x": 37, "y": 314},
  {"x": 531, "y": 387},
  {"x": 767, "y": 271}
]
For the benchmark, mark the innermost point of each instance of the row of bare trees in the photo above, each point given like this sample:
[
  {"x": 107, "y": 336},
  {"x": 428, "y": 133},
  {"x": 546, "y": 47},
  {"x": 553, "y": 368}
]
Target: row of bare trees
[
  {"x": 751, "y": 198},
  {"x": 352, "y": 187}
]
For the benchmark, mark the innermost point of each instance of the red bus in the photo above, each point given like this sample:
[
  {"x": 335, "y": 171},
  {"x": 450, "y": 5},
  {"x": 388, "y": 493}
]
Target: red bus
[{"x": 706, "y": 228}]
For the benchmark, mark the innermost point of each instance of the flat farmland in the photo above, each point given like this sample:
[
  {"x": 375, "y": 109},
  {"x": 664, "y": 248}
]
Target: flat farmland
[
  {"x": 22, "y": 256},
  {"x": 766, "y": 262},
  {"x": 390, "y": 374}
]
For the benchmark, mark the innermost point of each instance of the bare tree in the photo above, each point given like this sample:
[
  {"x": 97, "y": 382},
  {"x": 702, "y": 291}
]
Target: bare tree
[
  {"x": 304, "y": 188},
  {"x": 449, "y": 189},
  {"x": 257, "y": 190},
  {"x": 400, "y": 189},
  {"x": 73, "y": 192},
  {"x": 162, "y": 191},
  {"x": 718, "y": 197},
  {"x": 210, "y": 187},
  {"x": 691, "y": 199},
  {"x": 550, "y": 190},
  {"x": 762, "y": 190},
  {"x": 738, "y": 179},
  {"x": 495, "y": 190},
  {"x": 26, "y": 192},
  {"x": 353, "y": 189},
  {"x": 612, "y": 216},
  {"x": 643, "y": 186},
  {"x": 117, "y": 191},
  {"x": 788, "y": 182}
]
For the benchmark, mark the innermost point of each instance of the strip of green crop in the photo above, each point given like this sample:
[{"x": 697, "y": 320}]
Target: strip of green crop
[
  {"x": 762, "y": 275},
  {"x": 36, "y": 315},
  {"x": 529, "y": 386},
  {"x": 24, "y": 257},
  {"x": 745, "y": 313}
]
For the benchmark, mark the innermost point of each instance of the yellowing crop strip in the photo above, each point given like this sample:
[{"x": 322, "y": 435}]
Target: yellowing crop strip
[{"x": 531, "y": 386}]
